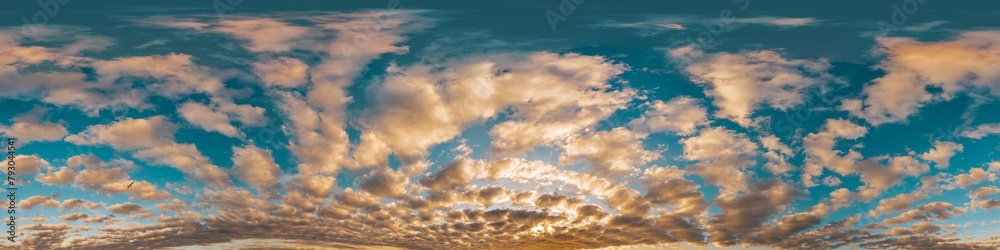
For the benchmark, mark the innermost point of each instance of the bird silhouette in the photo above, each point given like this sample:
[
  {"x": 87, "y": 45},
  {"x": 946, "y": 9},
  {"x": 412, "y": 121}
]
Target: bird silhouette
[{"x": 130, "y": 184}]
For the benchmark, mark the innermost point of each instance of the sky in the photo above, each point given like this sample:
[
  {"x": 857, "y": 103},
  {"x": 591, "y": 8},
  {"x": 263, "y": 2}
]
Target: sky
[{"x": 569, "y": 124}]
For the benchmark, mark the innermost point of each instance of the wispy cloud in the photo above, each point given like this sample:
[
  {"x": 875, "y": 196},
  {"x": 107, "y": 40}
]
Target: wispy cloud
[{"x": 654, "y": 25}]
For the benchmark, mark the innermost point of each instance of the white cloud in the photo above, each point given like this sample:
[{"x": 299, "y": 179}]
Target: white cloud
[
  {"x": 176, "y": 74},
  {"x": 204, "y": 117},
  {"x": 832, "y": 181},
  {"x": 721, "y": 156},
  {"x": 898, "y": 203},
  {"x": 681, "y": 115},
  {"x": 843, "y": 197},
  {"x": 980, "y": 198},
  {"x": 129, "y": 208},
  {"x": 942, "y": 153},
  {"x": 29, "y": 127},
  {"x": 219, "y": 115},
  {"x": 263, "y": 34},
  {"x": 820, "y": 152},
  {"x": 967, "y": 62},
  {"x": 983, "y": 130},
  {"x": 88, "y": 172},
  {"x": 777, "y": 157},
  {"x": 27, "y": 132},
  {"x": 152, "y": 139},
  {"x": 44, "y": 201},
  {"x": 417, "y": 107},
  {"x": 61, "y": 86},
  {"x": 318, "y": 120},
  {"x": 30, "y": 164},
  {"x": 609, "y": 152},
  {"x": 926, "y": 212},
  {"x": 740, "y": 83},
  {"x": 256, "y": 167},
  {"x": 282, "y": 72},
  {"x": 974, "y": 176}
]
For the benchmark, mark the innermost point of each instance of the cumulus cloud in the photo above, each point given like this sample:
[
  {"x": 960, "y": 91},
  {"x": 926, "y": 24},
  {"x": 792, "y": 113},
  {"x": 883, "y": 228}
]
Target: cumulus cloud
[
  {"x": 312, "y": 148},
  {"x": 982, "y": 130},
  {"x": 974, "y": 176},
  {"x": 88, "y": 172},
  {"x": 722, "y": 155},
  {"x": 980, "y": 198},
  {"x": 681, "y": 115},
  {"x": 740, "y": 83},
  {"x": 878, "y": 177},
  {"x": 983, "y": 192},
  {"x": 317, "y": 120},
  {"x": 129, "y": 208},
  {"x": 74, "y": 216},
  {"x": 75, "y": 203},
  {"x": 282, "y": 72},
  {"x": 256, "y": 167},
  {"x": 843, "y": 197},
  {"x": 745, "y": 213},
  {"x": 820, "y": 152},
  {"x": 219, "y": 115},
  {"x": 119, "y": 83},
  {"x": 666, "y": 185},
  {"x": 609, "y": 152},
  {"x": 385, "y": 183},
  {"x": 42, "y": 201},
  {"x": 111, "y": 178},
  {"x": 777, "y": 156},
  {"x": 917, "y": 228},
  {"x": 929, "y": 211},
  {"x": 55, "y": 86},
  {"x": 898, "y": 203},
  {"x": 453, "y": 175},
  {"x": 942, "y": 153},
  {"x": 832, "y": 181},
  {"x": 262, "y": 34},
  {"x": 175, "y": 74},
  {"x": 203, "y": 116},
  {"x": 57, "y": 176},
  {"x": 416, "y": 108},
  {"x": 30, "y": 164},
  {"x": 966, "y": 62},
  {"x": 29, "y": 127},
  {"x": 152, "y": 139}
]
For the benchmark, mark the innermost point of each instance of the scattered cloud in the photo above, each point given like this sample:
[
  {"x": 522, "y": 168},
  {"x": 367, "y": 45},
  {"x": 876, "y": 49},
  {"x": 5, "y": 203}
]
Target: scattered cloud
[
  {"x": 740, "y": 83},
  {"x": 655, "y": 25},
  {"x": 954, "y": 66}
]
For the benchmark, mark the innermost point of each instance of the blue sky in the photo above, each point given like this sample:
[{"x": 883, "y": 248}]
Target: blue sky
[{"x": 500, "y": 125}]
